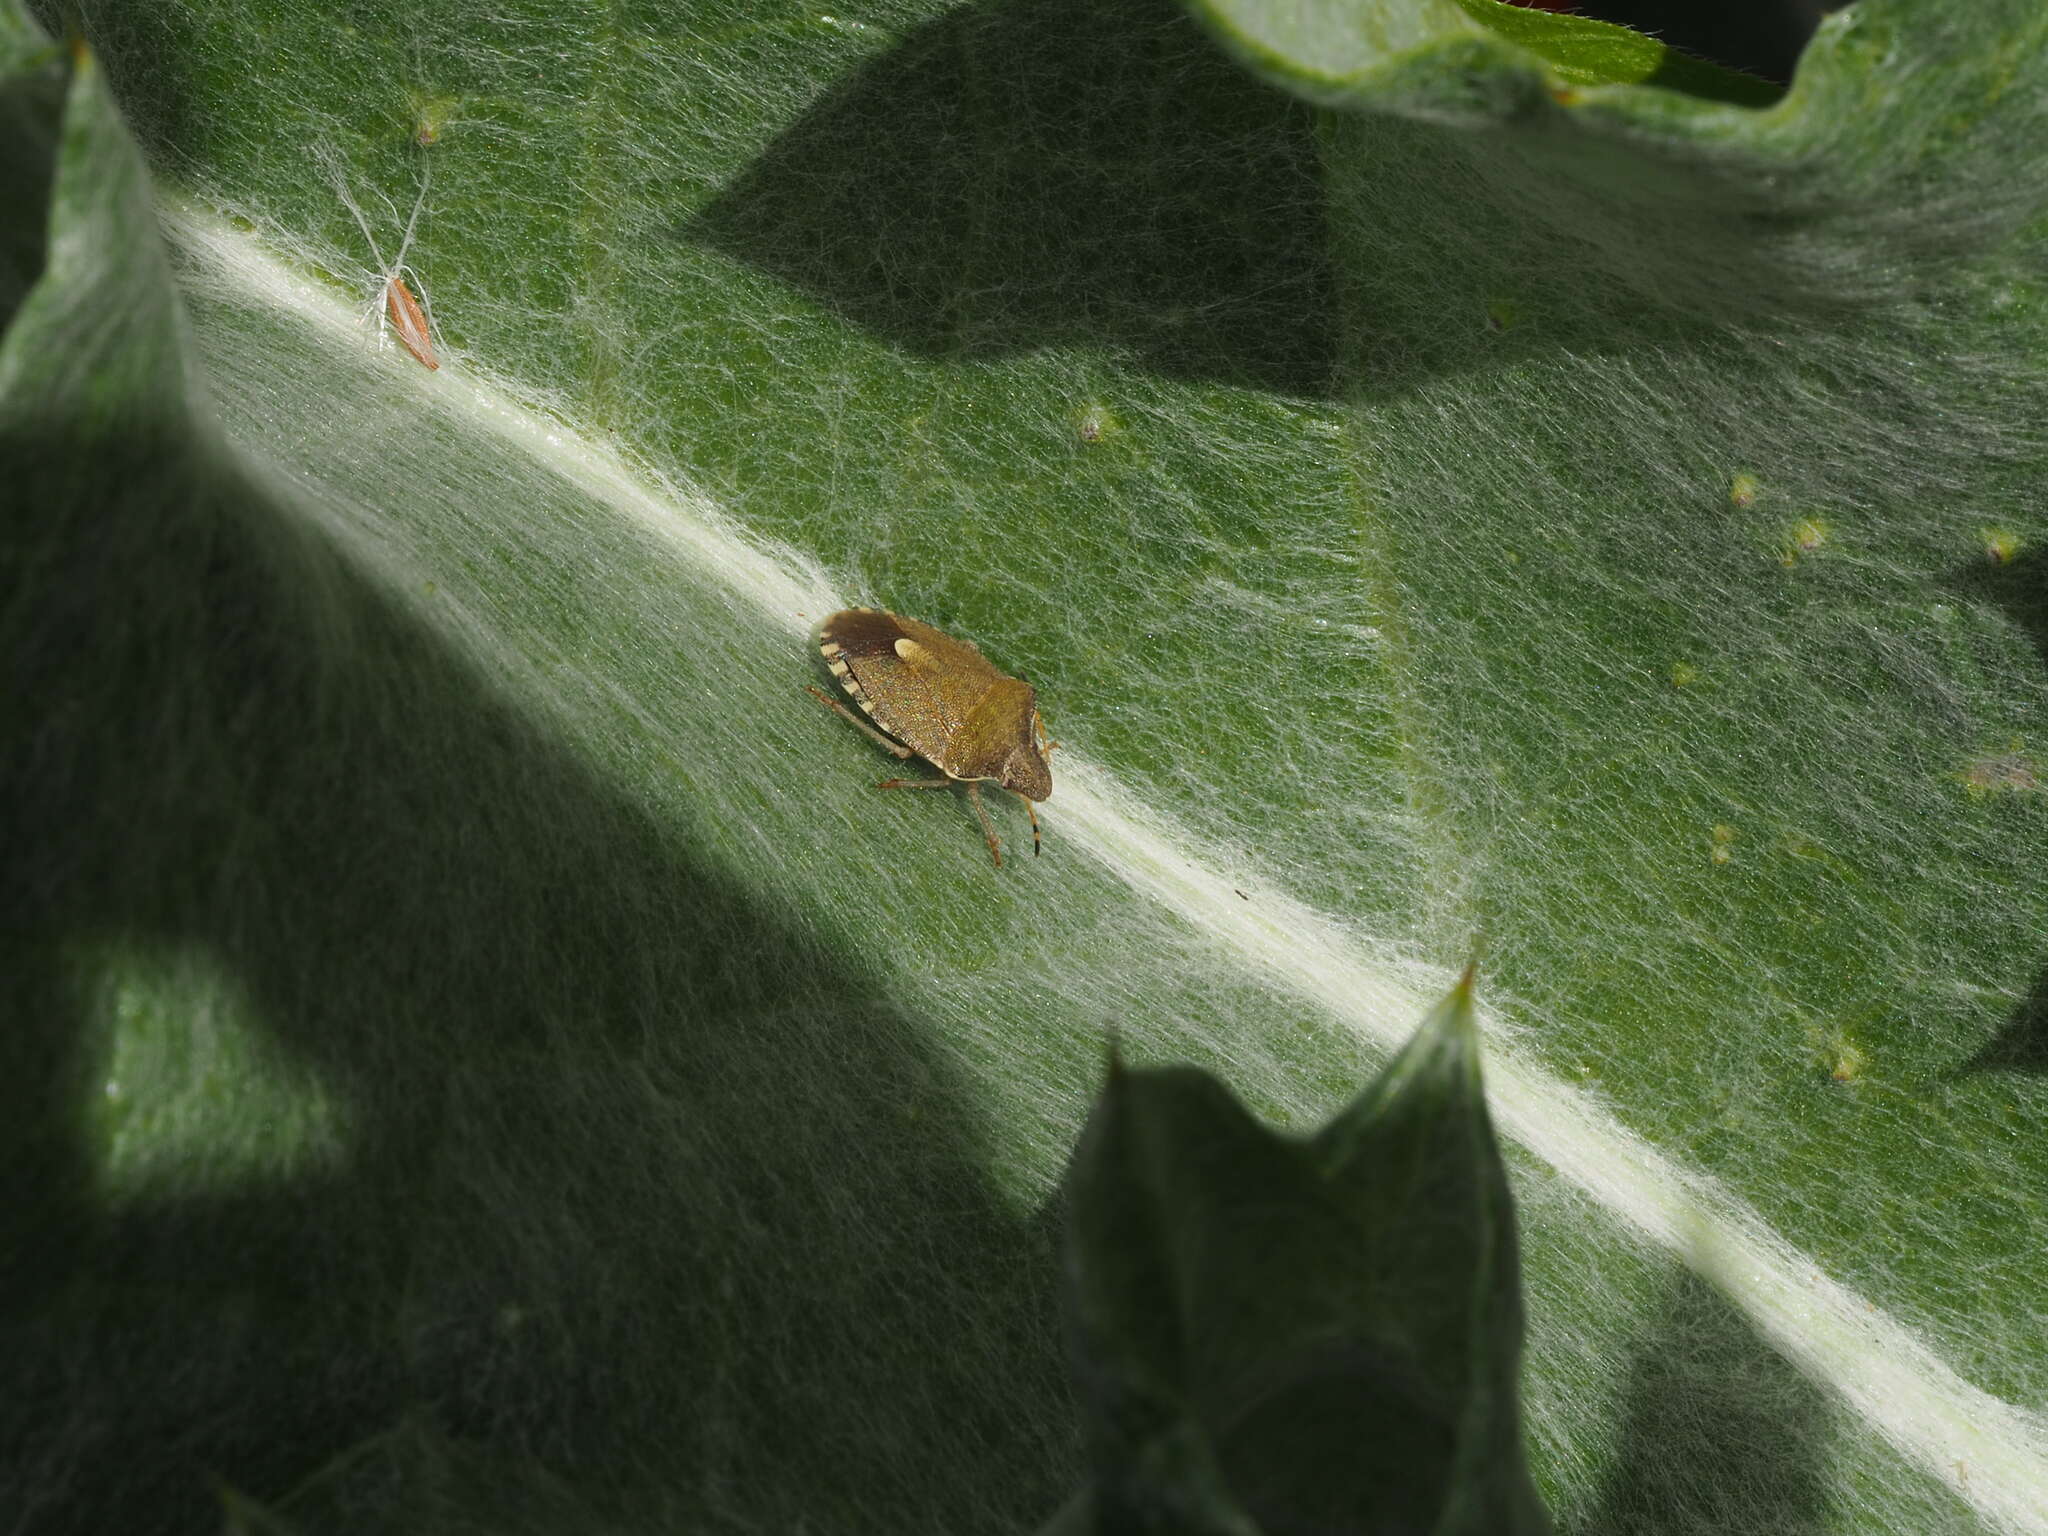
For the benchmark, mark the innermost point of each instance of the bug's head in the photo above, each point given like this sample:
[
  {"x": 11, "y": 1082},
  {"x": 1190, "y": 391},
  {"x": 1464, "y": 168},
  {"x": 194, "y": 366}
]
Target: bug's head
[{"x": 1025, "y": 771}]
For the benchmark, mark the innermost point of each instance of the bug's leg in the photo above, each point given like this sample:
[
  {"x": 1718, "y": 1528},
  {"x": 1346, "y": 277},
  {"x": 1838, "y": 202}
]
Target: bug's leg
[
  {"x": 1031, "y": 811},
  {"x": 995, "y": 849},
  {"x": 973, "y": 794},
  {"x": 852, "y": 719}
]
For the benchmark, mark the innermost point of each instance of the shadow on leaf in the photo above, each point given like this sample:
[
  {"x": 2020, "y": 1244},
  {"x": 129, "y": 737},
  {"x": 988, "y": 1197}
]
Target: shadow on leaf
[
  {"x": 631, "y": 1197},
  {"x": 2021, "y": 1045},
  {"x": 2018, "y": 587},
  {"x": 1720, "y": 1433},
  {"x": 1024, "y": 175}
]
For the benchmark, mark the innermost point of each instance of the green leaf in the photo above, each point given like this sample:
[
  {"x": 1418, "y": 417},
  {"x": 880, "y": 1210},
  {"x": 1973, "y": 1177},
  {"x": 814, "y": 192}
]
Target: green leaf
[
  {"x": 1335, "y": 48},
  {"x": 1891, "y": 158},
  {"x": 1277, "y": 1335},
  {"x": 477, "y": 1052},
  {"x": 1587, "y": 51}
]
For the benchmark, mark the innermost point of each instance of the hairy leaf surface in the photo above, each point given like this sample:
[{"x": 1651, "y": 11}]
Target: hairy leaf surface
[{"x": 480, "y": 1053}]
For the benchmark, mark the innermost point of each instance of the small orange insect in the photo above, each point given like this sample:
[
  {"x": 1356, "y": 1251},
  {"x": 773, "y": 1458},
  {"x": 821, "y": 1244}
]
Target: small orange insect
[{"x": 407, "y": 316}]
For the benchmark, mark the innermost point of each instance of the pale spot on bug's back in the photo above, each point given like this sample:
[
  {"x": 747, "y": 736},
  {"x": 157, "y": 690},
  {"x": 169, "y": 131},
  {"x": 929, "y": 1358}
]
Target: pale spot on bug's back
[{"x": 909, "y": 649}]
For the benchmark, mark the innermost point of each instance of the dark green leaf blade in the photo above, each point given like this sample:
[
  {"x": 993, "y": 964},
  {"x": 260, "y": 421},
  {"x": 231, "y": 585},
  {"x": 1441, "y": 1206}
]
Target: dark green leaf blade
[
  {"x": 1311, "y": 1336},
  {"x": 100, "y": 342},
  {"x": 108, "y": 463},
  {"x": 1415, "y": 1157},
  {"x": 32, "y": 82}
]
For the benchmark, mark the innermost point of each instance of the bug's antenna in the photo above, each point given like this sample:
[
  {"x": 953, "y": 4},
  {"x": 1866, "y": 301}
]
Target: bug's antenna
[
  {"x": 340, "y": 181},
  {"x": 426, "y": 174}
]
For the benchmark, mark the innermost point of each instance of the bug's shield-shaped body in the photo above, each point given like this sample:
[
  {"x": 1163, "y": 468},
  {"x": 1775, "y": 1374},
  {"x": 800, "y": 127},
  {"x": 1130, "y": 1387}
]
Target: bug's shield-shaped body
[{"x": 941, "y": 698}]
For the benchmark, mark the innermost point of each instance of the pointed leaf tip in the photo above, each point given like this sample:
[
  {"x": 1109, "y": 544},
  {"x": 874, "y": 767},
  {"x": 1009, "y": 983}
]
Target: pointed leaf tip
[
  {"x": 1454, "y": 1022},
  {"x": 1115, "y": 1070}
]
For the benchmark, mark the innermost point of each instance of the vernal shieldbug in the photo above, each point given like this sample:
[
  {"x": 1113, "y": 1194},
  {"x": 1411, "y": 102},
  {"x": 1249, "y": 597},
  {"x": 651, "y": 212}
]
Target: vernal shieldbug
[{"x": 940, "y": 699}]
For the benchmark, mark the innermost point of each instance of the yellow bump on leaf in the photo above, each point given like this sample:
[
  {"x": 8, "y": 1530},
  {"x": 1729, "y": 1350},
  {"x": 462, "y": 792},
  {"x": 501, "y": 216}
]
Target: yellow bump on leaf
[
  {"x": 2001, "y": 545},
  {"x": 1836, "y": 1052},
  {"x": 1742, "y": 490},
  {"x": 1804, "y": 538},
  {"x": 430, "y": 118},
  {"x": 1848, "y": 1064}
]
